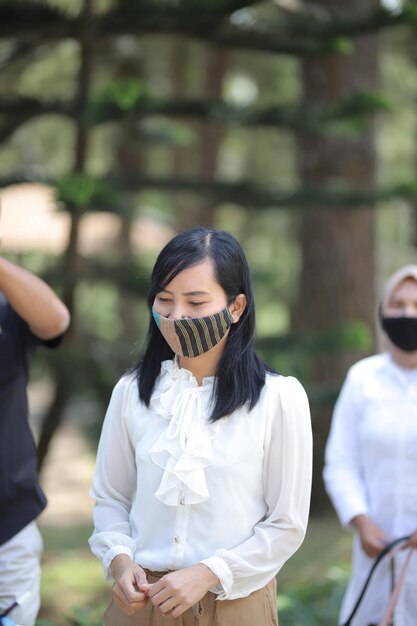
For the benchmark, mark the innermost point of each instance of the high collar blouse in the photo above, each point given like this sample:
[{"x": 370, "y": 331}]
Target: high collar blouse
[{"x": 173, "y": 488}]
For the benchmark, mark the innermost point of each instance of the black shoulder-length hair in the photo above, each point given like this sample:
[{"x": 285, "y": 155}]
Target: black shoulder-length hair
[{"x": 240, "y": 373}]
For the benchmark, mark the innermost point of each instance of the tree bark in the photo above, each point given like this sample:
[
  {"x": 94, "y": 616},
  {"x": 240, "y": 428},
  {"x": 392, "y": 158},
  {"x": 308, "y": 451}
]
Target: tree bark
[
  {"x": 337, "y": 275},
  {"x": 71, "y": 259},
  {"x": 211, "y": 133},
  {"x": 183, "y": 163}
]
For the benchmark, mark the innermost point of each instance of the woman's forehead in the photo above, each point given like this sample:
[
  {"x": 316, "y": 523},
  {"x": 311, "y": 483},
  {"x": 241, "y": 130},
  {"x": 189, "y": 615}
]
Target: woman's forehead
[
  {"x": 200, "y": 277},
  {"x": 407, "y": 287},
  {"x": 396, "y": 279}
]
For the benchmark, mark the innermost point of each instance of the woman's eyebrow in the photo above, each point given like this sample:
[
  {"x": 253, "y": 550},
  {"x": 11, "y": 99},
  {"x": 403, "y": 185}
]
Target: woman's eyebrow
[{"x": 187, "y": 293}]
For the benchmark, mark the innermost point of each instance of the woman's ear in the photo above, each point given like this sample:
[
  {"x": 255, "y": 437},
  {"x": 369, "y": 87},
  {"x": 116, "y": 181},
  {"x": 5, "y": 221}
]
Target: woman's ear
[{"x": 238, "y": 306}]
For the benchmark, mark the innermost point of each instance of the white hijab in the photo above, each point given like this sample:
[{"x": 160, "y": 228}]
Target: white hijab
[{"x": 408, "y": 271}]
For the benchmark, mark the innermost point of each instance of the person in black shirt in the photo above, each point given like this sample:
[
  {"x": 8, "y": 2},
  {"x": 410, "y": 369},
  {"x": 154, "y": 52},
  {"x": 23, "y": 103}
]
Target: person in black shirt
[{"x": 30, "y": 315}]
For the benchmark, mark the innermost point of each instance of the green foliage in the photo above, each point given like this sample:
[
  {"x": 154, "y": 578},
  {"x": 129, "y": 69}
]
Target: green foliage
[
  {"x": 34, "y": 10},
  {"x": 354, "y": 335},
  {"x": 120, "y": 96},
  {"x": 349, "y": 336},
  {"x": 88, "y": 616},
  {"x": 341, "y": 45},
  {"x": 74, "y": 582},
  {"x": 312, "y": 602},
  {"x": 407, "y": 189},
  {"x": 80, "y": 193},
  {"x": 409, "y": 11},
  {"x": 353, "y": 114}
]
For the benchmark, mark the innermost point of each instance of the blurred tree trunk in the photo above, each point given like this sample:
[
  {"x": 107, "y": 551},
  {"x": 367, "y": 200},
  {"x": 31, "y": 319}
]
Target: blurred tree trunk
[
  {"x": 183, "y": 156},
  {"x": 192, "y": 212},
  {"x": 71, "y": 257},
  {"x": 211, "y": 134},
  {"x": 130, "y": 158},
  {"x": 337, "y": 275}
]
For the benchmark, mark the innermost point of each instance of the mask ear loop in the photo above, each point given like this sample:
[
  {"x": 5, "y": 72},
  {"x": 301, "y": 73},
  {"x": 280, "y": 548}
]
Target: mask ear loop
[{"x": 229, "y": 302}]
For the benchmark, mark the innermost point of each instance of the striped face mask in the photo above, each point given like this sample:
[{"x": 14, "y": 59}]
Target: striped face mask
[{"x": 191, "y": 337}]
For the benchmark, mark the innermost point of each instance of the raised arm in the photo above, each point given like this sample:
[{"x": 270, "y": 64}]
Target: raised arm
[{"x": 32, "y": 299}]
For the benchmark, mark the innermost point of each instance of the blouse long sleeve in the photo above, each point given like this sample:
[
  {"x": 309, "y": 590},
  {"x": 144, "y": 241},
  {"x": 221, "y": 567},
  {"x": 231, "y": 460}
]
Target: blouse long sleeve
[
  {"x": 343, "y": 468},
  {"x": 287, "y": 485},
  {"x": 114, "y": 483}
]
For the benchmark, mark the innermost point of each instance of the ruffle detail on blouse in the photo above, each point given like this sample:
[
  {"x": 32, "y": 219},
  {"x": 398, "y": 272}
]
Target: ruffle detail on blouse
[{"x": 184, "y": 449}]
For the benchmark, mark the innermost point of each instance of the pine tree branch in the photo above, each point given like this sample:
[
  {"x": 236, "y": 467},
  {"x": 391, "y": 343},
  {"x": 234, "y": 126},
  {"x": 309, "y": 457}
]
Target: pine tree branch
[
  {"x": 18, "y": 50},
  {"x": 356, "y": 109},
  {"x": 206, "y": 21},
  {"x": 23, "y": 19},
  {"x": 18, "y": 111},
  {"x": 25, "y": 108},
  {"x": 131, "y": 278},
  {"x": 83, "y": 193},
  {"x": 377, "y": 19},
  {"x": 314, "y": 36},
  {"x": 251, "y": 195}
]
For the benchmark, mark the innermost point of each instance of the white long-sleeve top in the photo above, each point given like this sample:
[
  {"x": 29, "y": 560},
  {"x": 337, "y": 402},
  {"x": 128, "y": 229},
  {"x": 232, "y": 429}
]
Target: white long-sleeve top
[
  {"x": 173, "y": 489},
  {"x": 371, "y": 469}
]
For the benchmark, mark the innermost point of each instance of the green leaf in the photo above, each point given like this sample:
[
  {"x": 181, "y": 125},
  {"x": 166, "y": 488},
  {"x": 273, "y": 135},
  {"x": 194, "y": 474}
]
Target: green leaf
[
  {"x": 80, "y": 193},
  {"x": 121, "y": 95}
]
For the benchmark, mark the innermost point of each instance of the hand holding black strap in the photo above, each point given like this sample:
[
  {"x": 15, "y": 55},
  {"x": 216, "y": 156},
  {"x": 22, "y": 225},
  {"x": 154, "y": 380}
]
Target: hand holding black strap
[{"x": 377, "y": 561}]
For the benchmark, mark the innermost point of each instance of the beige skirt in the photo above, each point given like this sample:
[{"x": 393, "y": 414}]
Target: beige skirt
[{"x": 257, "y": 609}]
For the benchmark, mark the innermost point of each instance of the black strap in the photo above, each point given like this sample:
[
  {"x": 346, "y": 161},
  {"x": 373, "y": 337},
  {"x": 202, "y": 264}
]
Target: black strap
[{"x": 377, "y": 561}]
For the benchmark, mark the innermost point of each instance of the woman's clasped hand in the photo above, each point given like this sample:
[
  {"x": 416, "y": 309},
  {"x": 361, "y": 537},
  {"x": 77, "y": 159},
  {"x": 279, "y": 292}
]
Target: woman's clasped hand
[
  {"x": 177, "y": 591},
  {"x": 172, "y": 594},
  {"x": 131, "y": 588}
]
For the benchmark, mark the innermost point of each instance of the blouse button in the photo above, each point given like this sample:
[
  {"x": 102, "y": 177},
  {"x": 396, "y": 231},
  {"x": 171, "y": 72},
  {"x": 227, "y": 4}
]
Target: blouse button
[
  {"x": 176, "y": 539},
  {"x": 182, "y": 501}
]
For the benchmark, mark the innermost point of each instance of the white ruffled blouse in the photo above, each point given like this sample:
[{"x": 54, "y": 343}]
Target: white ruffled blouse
[
  {"x": 184, "y": 448},
  {"x": 173, "y": 489}
]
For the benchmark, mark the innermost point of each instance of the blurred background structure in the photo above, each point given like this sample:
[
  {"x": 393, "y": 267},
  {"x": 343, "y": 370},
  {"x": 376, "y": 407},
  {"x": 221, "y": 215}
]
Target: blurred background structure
[{"x": 290, "y": 123}]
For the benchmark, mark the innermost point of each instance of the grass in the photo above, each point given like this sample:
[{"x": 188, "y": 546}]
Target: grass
[
  {"x": 311, "y": 584},
  {"x": 74, "y": 592},
  {"x": 73, "y": 587}
]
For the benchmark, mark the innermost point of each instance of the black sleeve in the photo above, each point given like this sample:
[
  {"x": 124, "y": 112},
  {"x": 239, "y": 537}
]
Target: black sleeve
[{"x": 31, "y": 341}]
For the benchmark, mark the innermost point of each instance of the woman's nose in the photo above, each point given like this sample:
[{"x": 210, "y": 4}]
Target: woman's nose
[{"x": 177, "y": 313}]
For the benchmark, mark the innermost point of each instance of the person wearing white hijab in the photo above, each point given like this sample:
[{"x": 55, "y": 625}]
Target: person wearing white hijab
[{"x": 370, "y": 468}]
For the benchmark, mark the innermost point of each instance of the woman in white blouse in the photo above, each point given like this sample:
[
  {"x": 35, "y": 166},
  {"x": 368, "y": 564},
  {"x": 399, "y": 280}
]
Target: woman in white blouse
[
  {"x": 203, "y": 473},
  {"x": 371, "y": 457}
]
